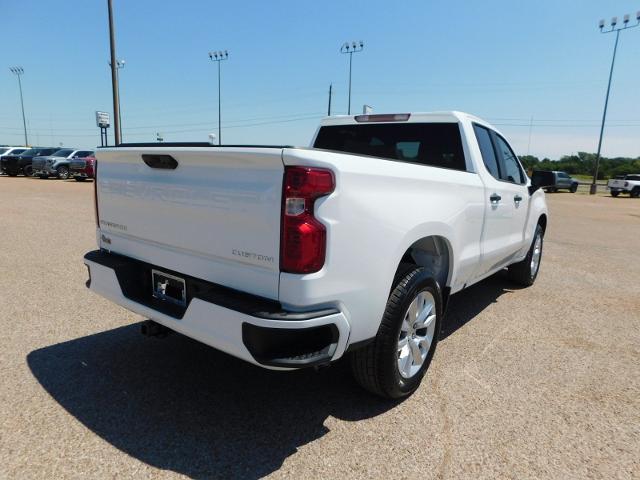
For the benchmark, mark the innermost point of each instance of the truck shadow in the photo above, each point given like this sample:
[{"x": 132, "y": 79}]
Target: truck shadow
[
  {"x": 179, "y": 405},
  {"x": 467, "y": 304}
]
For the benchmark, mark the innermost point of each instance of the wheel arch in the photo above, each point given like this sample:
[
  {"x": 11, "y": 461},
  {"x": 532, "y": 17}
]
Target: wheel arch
[
  {"x": 434, "y": 253},
  {"x": 542, "y": 221}
]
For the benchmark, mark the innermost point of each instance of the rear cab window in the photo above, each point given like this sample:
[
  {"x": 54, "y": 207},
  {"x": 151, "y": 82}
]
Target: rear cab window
[{"x": 431, "y": 144}]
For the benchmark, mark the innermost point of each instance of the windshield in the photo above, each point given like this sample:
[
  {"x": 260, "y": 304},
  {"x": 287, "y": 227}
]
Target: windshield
[
  {"x": 30, "y": 152},
  {"x": 4, "y": 150},
  {"x": 634, "y": 178},
  {"x": 65, "y": 152}
]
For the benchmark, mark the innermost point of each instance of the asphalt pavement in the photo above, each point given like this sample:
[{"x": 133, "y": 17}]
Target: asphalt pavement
[{"x": 542, "y": 382}]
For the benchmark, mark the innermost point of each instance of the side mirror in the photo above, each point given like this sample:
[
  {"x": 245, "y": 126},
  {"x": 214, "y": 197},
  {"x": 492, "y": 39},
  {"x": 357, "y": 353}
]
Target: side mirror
[{"x": 541, "y": 179}]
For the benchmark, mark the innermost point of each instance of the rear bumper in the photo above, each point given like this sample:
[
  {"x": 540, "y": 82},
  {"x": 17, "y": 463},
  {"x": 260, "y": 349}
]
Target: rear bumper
[{"x": 251, "y": 328}]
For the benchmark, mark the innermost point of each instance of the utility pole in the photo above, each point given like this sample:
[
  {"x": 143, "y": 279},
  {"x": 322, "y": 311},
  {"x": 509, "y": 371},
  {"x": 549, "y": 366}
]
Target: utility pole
[
  {"x": 617, "y": 30},
  {"x": 351, "y": 48},
  {"x": 114, "y": 77},
  {"x": 218, "y": 57},
  {"x": 18, "y": 72},
  {"x": 530, "y": 128},
  {"x": 330, "y": 93}
]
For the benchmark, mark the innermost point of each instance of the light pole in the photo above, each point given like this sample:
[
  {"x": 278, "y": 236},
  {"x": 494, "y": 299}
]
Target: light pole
[
  {"x": 218, "y": 57},
  {"x": 351, "y": 48},
  {"x": 119, "y": 65},
  {"x": 613, "y": 28},
  {"x": 18, "y": 72},
  {"x": 114, "y": 76}
]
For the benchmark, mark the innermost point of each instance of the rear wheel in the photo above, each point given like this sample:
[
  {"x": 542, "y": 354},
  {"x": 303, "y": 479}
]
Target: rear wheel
[
  {"x": 615, "y": 193},
  {"x": 525, "y": 272},
  {"x": 574, "y": 188},
  {"x": 394, "y": 364},
  {"x": 635, "y": 193},
  {"x": 63, "y": 172}
]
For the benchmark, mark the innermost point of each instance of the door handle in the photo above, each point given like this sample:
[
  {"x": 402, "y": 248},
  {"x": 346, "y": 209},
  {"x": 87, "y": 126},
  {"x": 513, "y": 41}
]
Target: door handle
[
  {"x": 495, "y": 198},
  {"x": 517, "y": 199}
]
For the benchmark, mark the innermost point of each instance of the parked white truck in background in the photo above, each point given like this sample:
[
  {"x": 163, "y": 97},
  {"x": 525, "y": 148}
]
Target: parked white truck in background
[
  {"x": 291, "y": 257},
  {"x": 628, "y": 184}
]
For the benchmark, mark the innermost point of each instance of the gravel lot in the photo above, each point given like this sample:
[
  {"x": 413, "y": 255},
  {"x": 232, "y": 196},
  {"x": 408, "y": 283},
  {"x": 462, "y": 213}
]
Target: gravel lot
[{"x": 542, "y": 382}]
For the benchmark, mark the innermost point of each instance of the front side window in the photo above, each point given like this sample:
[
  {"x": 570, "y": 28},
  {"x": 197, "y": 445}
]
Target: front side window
[
  {"x": 511, "y": 171},
  {"x": 432, "y": 144},
  {"x": 486, "y": 149}
]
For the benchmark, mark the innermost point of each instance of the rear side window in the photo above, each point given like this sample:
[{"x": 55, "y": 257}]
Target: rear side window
[
  {"x": 488, "y": 153},
  {"x": 432, "y": 144}
]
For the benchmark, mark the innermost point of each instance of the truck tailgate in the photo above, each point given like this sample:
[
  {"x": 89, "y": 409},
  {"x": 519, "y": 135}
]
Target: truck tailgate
[{"x": 215, "y": 216}]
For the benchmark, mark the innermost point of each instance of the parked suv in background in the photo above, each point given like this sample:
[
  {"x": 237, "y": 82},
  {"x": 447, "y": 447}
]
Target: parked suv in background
[
  {"x": 562, "y": 181},
  {"x": 15, "y": 164},
  {"x": 58, "y": 163},
  {"x": 82, "y": 168},
  {"x": 10, "y": 151}
]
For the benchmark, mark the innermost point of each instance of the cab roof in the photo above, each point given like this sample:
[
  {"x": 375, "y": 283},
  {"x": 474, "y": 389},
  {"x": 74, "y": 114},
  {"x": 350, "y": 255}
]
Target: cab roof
[{"x": 416, "y": 117}]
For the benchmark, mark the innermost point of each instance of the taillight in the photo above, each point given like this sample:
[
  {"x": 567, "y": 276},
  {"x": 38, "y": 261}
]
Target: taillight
[
  {"x": 303, "y": 239},
  {"x": 95, "y": 192}
]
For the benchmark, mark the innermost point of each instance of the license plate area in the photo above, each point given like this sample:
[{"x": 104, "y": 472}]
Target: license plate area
[{"x": 169, "y": 288}]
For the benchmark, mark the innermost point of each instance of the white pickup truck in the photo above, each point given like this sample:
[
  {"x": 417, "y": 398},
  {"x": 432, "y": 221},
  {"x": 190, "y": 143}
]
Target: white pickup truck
[
  {"x": 292, "y": 257},
  {"x": 628, "y": 184}
]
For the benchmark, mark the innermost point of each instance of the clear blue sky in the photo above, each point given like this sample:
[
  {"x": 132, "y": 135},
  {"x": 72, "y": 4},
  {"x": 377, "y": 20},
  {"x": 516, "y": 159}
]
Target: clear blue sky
[{"x": 506, "y": 61}]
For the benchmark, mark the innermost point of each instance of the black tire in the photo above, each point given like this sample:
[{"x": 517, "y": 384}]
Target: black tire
[
  {"x": 574, "y": 188},
  {"x": 635, "y": 193},
  {"x": 79, "y": 179},
  {"x": 27, "y": 171},
  {"x": 375, "y": 367},
  {"x": 63, "y": 172},
  {"x": 43, "y": 176},
  {"x": 521, "y": 272},
  {"x": 615, "y": 193}
]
